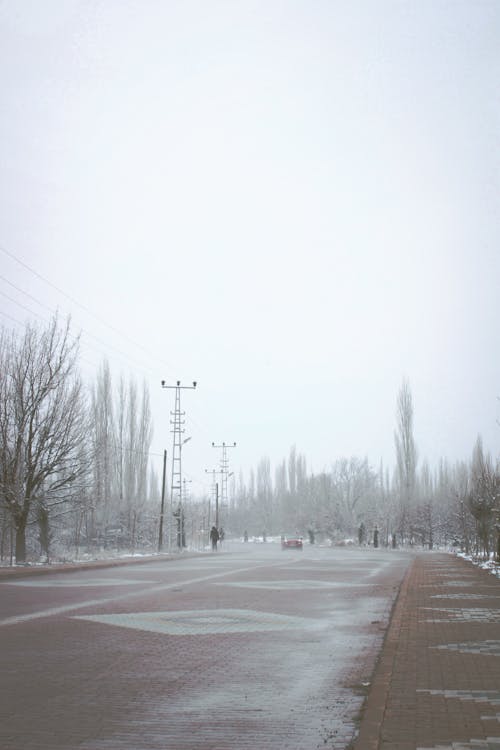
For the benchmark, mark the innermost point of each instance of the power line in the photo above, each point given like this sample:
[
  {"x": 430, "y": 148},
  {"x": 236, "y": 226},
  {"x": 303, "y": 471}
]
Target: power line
[
  {"x": 83, "y": 330},
  {"x": 18, "y": 289},
  {"x": 86, "y": 334},
  {"x": 20, "y": 304},
  {"x": 84, "y": 341},
  {"x": 79, "y": 304},
  {"x": 95, "y": 365},
  {"x": 148, "y": 371},
  {"x": 25, "y": 324},
  {"x": 41, "y": 317},
  {"x": 6, "y": 315}
]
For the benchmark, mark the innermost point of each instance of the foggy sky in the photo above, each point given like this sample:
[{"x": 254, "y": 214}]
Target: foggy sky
[{"x": 293, "y": 203}]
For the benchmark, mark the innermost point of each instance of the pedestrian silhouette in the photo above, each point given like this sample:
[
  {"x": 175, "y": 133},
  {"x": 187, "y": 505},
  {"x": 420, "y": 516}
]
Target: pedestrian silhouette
[{"x": 214, "y": 537}]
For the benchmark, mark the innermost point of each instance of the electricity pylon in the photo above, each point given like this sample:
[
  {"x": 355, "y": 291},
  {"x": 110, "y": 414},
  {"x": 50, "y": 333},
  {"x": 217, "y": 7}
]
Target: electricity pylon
[
  {"x": 224, "y": 471},
  {"x": 215, "y": 496},
  {"x": 178, "y": 423}
]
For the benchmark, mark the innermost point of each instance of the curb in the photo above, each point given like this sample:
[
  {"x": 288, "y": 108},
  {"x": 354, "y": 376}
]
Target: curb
[
  {"x": 27, "y": 571},
  {"x": 374, "y": 708}
]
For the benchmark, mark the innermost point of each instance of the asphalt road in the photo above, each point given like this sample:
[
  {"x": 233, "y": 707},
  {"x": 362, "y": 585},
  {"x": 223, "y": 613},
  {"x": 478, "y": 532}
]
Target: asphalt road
[{"x": 249, "y": 647}]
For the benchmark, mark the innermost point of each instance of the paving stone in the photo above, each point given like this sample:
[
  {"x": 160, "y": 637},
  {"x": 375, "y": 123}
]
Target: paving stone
[
  {"x": 438, "y": 670},
  {"x": 171, "y": 659}
]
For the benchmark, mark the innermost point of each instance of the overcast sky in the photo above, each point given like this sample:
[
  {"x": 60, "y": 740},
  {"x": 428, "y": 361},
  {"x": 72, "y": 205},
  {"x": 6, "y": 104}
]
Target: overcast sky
[{"x": 295, "y": 203}]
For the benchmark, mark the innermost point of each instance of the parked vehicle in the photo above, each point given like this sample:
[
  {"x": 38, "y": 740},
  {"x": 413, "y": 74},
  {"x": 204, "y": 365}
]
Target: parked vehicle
[{"x": 291, "y": 542}]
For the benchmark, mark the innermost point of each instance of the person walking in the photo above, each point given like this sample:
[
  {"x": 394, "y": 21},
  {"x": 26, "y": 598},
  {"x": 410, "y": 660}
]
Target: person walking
[{"x": 214, "y": 537}]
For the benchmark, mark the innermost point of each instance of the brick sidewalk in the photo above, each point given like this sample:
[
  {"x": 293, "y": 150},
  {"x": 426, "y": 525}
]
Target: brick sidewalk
[{"x": 437, "y": 682}]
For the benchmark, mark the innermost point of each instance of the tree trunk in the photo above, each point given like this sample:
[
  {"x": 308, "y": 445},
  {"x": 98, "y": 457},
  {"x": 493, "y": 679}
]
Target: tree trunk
[
  {"x": 21, "y": 543},
  {"x": 44, "y": 534},
  {"x": 3, "y": 536}
]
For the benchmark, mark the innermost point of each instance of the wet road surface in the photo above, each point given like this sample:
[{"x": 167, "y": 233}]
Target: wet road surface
[{"x": 250, "y": 647}]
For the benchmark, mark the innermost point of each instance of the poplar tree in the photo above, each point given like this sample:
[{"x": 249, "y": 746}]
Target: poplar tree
[{"x": 406, "y": 454}]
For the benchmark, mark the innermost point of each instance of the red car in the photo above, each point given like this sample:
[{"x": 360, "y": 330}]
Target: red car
[{"x": 291, "y": 542}]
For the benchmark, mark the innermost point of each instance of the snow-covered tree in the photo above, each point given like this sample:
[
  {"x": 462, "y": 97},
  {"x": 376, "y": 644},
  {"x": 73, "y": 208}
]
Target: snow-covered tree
[
  {"x": 406, "y": 456},
  {"x": 43, "y": 426}
]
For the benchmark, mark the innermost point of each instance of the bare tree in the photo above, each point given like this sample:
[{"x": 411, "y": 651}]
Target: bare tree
[
  {"x": 292, "y": 470},
  {"x": 140, "y": 457},
  {"x": 296, "y": 513},
  {"x": 121, "y": 434},
  {"x": 130, "y": 457},
  {"x": 265, "y": 494},
  {"x": 484, "y": 491},
  {"x": 42, "y": 424},
  {"x": 120, "y": 439},
  {"x": 103, "y": 444},
  {"x": 424, "y": 513},
  {"x": 353, "y": 486},
  {"x": 460, "y": 520},
  {"x": 406, "y": 454}
]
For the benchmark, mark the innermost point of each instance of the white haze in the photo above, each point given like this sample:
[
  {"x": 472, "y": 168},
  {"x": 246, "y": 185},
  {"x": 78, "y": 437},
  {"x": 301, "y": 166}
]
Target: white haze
[{"x": 293, "y": 203}]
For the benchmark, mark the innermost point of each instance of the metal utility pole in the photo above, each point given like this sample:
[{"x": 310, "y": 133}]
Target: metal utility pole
[
  {"x": 185, "y": 505},
  {"x": 162, "y": 511},
  {"x": 224, "y": 470},
  {"x": 185, "y": 481},
  {"x": 213, "y": 472},
  {"x": 178, "y": 423}
]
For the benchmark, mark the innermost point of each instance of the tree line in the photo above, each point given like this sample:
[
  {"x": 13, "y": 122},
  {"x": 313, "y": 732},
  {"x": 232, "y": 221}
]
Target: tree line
[
  {"x": 455, "y": 504},
  {"x": 76, "y": 474},
  {"x": 74, "y": 459}
]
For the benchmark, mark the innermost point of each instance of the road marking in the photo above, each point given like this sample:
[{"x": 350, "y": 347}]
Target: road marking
[
  {"x": 488, "y": 648},
  {"x": 479, "y": 696},
  {"x": 470, "y": 614},
  {"x": 120, "y": 597},
  {"x": 81, "y": 582},
  {"x": 465, "y": 596},
  {"x": 202, "y": 622},
  {"x": 294, "y": 584}
]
